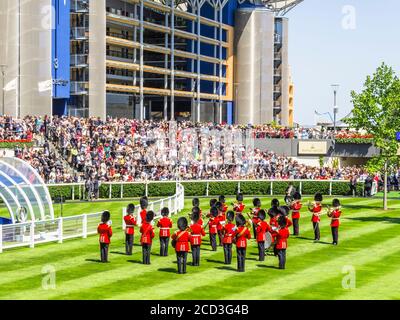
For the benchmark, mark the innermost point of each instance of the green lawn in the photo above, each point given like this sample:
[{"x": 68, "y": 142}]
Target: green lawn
[{"x": 369, "y": 243}]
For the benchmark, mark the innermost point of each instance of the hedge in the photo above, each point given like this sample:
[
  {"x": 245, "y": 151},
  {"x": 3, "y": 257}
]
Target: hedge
[{"x": 12, "y": 145}]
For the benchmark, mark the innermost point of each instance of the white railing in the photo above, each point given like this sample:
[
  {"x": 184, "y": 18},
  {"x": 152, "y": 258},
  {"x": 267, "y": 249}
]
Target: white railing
[{"x": 32, "y": 233}]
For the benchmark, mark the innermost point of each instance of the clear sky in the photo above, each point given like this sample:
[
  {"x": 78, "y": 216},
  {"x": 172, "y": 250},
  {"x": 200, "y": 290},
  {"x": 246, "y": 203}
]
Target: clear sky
[{"x": 327, "y": 45}]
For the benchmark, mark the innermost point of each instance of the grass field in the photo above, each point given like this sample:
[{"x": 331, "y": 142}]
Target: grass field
[{"x": 368, "y": 242}]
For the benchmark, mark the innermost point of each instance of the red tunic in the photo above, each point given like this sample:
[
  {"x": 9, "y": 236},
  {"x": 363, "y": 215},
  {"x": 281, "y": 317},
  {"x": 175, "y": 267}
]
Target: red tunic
[
  {"x": 289, "y": 222},
  {"x": 143, "y": 214},
  {"x": 221, "y": 219},
  {"x": 238, "y": 207},
  {"x": 255, "y": 219},
  {"x": 165, "y": 224},
  {"x": 296, "y": 207},
  {"x": 196, "y": 231},
  {"x": 316, "y": 209},
  {"x": 261, "y": 229},
  {"x": 147, "y": 232},
  {"x": 130, "y": 222},
  {"x": 242, "y": 234},
  {"x": 225, "y": 208},
  {"x": 182, "y": 241},
  {"x": 228, "y": 232},
  {"x": 105, "y": 233},
  {"x": 336, "y": 218},
  {"x": 281, "y": 236},
  {"x": 214, "y": 222}
]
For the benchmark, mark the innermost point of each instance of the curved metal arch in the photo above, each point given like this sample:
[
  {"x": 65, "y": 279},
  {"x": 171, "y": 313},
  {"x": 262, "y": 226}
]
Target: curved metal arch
[
  {"x": 13, "y": 215},
  {"x": 28, "y": 185}
]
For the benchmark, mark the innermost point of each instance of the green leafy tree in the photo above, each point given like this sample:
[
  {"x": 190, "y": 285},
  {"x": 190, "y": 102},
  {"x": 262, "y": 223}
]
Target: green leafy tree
[{"x": 377, "y": 110}]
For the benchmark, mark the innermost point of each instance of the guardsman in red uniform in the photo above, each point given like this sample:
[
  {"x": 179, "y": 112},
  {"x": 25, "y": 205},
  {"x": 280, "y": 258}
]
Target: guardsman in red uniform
[
  {"x": 238, "y": 206},
  {"x": 224, "y": 205},
  {"x": 316, "y": 208},
  {"x": 213, "y": 227},
  {"x": 254, "y": 214},
  {"x": 146, "y": 240},
  {"x": 144, "y": 202},
  {"x": 213, "y": 202},
  {"x": 273, "y": 213},
  {"x": 242, "y": 234},
  {"x": 180, "y": 241},
  {"x": 228, "y": 232},
  {"x": 335, "y": 214},
  {"x": 221, "y": 219},
  {"x": 282, "y": 235},
  {"x": 105, "y": 233},
  {"x": 196, "y": 203},
  {"x": 196, "y": 233},
  {"x": 296, "y": 207},
  {"x": 262, "y": 228},
  {"x": 130, "y": 223},
  {"x": 165, "y": 225}
]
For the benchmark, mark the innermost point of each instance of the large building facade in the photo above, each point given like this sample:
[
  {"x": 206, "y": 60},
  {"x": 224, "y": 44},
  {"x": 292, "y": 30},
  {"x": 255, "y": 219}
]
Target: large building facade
[{"x": 204, "y": 60}]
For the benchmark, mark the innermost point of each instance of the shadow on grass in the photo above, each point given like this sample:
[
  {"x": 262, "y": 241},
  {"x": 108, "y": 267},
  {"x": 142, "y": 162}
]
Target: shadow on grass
[
  {"x": 215, "y": 261},
  {"x": 94, "y": 260},
  {"x": 304, "y": 238},
  {"x": 226, "y": 268},
  {"x": 268, "y": 267},
  {"x": 360, "y": 207},
  {"x": 169, "y": 270},
  {"x": 120, "y": 253},
  {"x": 376, "y": 219},
  {"x": 135, "y": 261}
]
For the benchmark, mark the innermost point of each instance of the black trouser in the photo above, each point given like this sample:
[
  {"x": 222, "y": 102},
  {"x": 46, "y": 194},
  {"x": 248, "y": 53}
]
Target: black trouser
[
  {"x": 261, "y": 251},
  {"x": 241, "y": 258},
  {"x": 296, "y": 226},
  {"x": 282, "y": 258},
  {"x": 317, "y": 234},
  {"x": 181, "y": 257},
  {"x": 104, "y": 252},
  {"x": 220, "y": 237},
  {"x": 228, "y": 253},
  {"x": 164, "y": 241},
  {"x": 146, "y": 249},
  {"x": 335, "y": 234},
  {"x": 254, "y": 231},
  {"x": 196, "y": 255},
  {"x": 128, "y": 244},
  {"x": 353, "y": 190},
  {"x": 213, "y": 241}
]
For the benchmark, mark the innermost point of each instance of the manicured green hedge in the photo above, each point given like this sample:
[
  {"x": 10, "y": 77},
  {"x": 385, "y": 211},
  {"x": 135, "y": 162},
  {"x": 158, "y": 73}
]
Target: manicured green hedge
[
  {"x": 12, "y": 145},
  {"x": 195, "y": 189}
]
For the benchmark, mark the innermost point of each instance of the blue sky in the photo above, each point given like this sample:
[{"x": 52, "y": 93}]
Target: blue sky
[{"x": 322, "y": 52}]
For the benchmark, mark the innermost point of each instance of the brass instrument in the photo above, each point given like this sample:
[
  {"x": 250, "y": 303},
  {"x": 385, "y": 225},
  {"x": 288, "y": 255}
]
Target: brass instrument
[
  {"x": 329, "y": 211},
  {"x": 311, "y": 205}
]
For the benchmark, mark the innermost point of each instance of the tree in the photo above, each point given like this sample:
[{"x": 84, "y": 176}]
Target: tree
[{"x": 377, "y": 110}]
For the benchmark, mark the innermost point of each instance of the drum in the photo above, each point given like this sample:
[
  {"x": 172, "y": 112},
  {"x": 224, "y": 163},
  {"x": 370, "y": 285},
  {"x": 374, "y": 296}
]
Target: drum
[
  {"x": 268, "y": 240},
  {"x": 288, "y": 200}
]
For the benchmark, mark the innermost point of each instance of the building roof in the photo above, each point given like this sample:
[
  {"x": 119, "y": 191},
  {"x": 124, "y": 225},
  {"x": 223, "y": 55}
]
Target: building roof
[{"x": 281, "y": 7}]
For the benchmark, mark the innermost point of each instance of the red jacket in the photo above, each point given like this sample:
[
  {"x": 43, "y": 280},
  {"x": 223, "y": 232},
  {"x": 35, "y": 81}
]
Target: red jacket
[
  {"x": 281, "y": 237},
  {"x": 147, "y": 232},
  {"x": 316, "y": 209},
  {"x": 221, "y": 219},
  {"x": 336, "y": 218},
  {"x": 289, "y": 222},
  {"x": 196, "y": 231},
  {"x": 296, "y": 207},
  {"x": 228, "y": 233},
  {"x": 261, "y": 228},
  {"x": 241, "y": 236},
  {"x": 214, "y": 222},
  {"x": 238, "y": 207},
  {"x": 255, "y": 219},
  {"x": 130, "y": 222},
  {"x": 105, "y": 232},
  {"x": 273, "y": 222},
  {"x": 182, "y": 241},
  {"x": 224, "y": 208},
  {"x": 165, "y": 224},
  {"x": 143, "y": 215}
]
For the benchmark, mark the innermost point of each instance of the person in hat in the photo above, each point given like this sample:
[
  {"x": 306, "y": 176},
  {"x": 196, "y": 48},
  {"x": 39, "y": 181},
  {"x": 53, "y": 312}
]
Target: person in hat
[
  {"x": 181, "y": 243},
  {"x": 221, "y": 220},
  {"x": 105, "y": 233},
  {"x": 130, "y": 223},
  {"x": 315, "y": 208},
  {"x": 228, "y": 233},
  {"x": 196, "y": 203},
  {"x": 144, "y": 202},
  {"x": 262, "y": 228},
  {"x": 213, "y": 227},
  {"x": 273, "y": 213},
  {"x": 196, "y": 233},
  {"x": 284, "y": 211},
  {"x": 335, "y": 213},
  {"x": 222, "y": 199},
  {"x": 238, "y": 206},
  {"x": 254, "y": 213},
  {"x": 296, "y": 207},
  {"x": 165, "y": 225},
  {"x": 281, "y": 234},
  {"x": 146, "y": 240},
  {"x": 242, "y": 234}
]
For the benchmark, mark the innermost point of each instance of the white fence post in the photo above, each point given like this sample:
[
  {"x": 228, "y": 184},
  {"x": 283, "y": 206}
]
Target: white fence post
[
  {"x": 84, "y": 226},
  {"x": 146, "y": 192},
  {"x": 60, "y": 230},
  {"x": 272, "y": 188},
  {"x": 301, "y": 187},
  {"x": 1, "y": 238},
  {"x": 122, "y": 190},
  {"x": 207, "y": 190},
  {"x": 73, "y": 192},
  {"x": 32, "y": 235},
  {"x": 239, "y": 187},
  {"x": 169, "y": 203},
  {"x": 110, "y": 192},
  {"x": 330, "y": 188}
]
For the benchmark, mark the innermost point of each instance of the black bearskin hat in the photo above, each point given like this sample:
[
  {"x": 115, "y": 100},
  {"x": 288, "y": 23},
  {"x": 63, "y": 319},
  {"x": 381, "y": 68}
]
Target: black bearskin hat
[
  {"x": 275, "y": 203},
  {"x": 214, "y": 212},
  {"x": 239, "y": 197},
  {"x": 257, "y": 202},
  {"x": 219, "y": 206},
  {"x": 149, "y": 216},
  {"x": 182, "y": 223},
  {"x": 230, "y": 216},
  {"x": 262, "y": 215},
  {"x": 318, "y": 197},
  {"x": 213, "y": 202},
  {"x": 144, "y": 202},
  {"x": 273, "y": 212},
  {"x": 221, "y": 199},
  {"x": 165, "y": 212},
  {"x": 130, "y": 208},
  {"x": 297, "y": 196},
  {"x": 195, "y": 215},
  {"x": 196, "y": 202},
  {"x": 105, "y": 217},
  {"x": 282, "y": 221},
  {"x": 240, "y": 220},
  {"x": 284, "y": 210},
  {"x": 336, "y": 203}
]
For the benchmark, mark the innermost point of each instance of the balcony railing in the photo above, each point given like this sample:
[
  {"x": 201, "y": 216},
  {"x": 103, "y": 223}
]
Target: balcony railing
[
  {"x": 80, "y": 6},
  {"x": 79, "y": 88},
  {"x": 119, "y": 54},
  {"x": 79, "y": 60},
  {"x": 79, "y": 33},
  {"x": 119, "y": 35}
]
